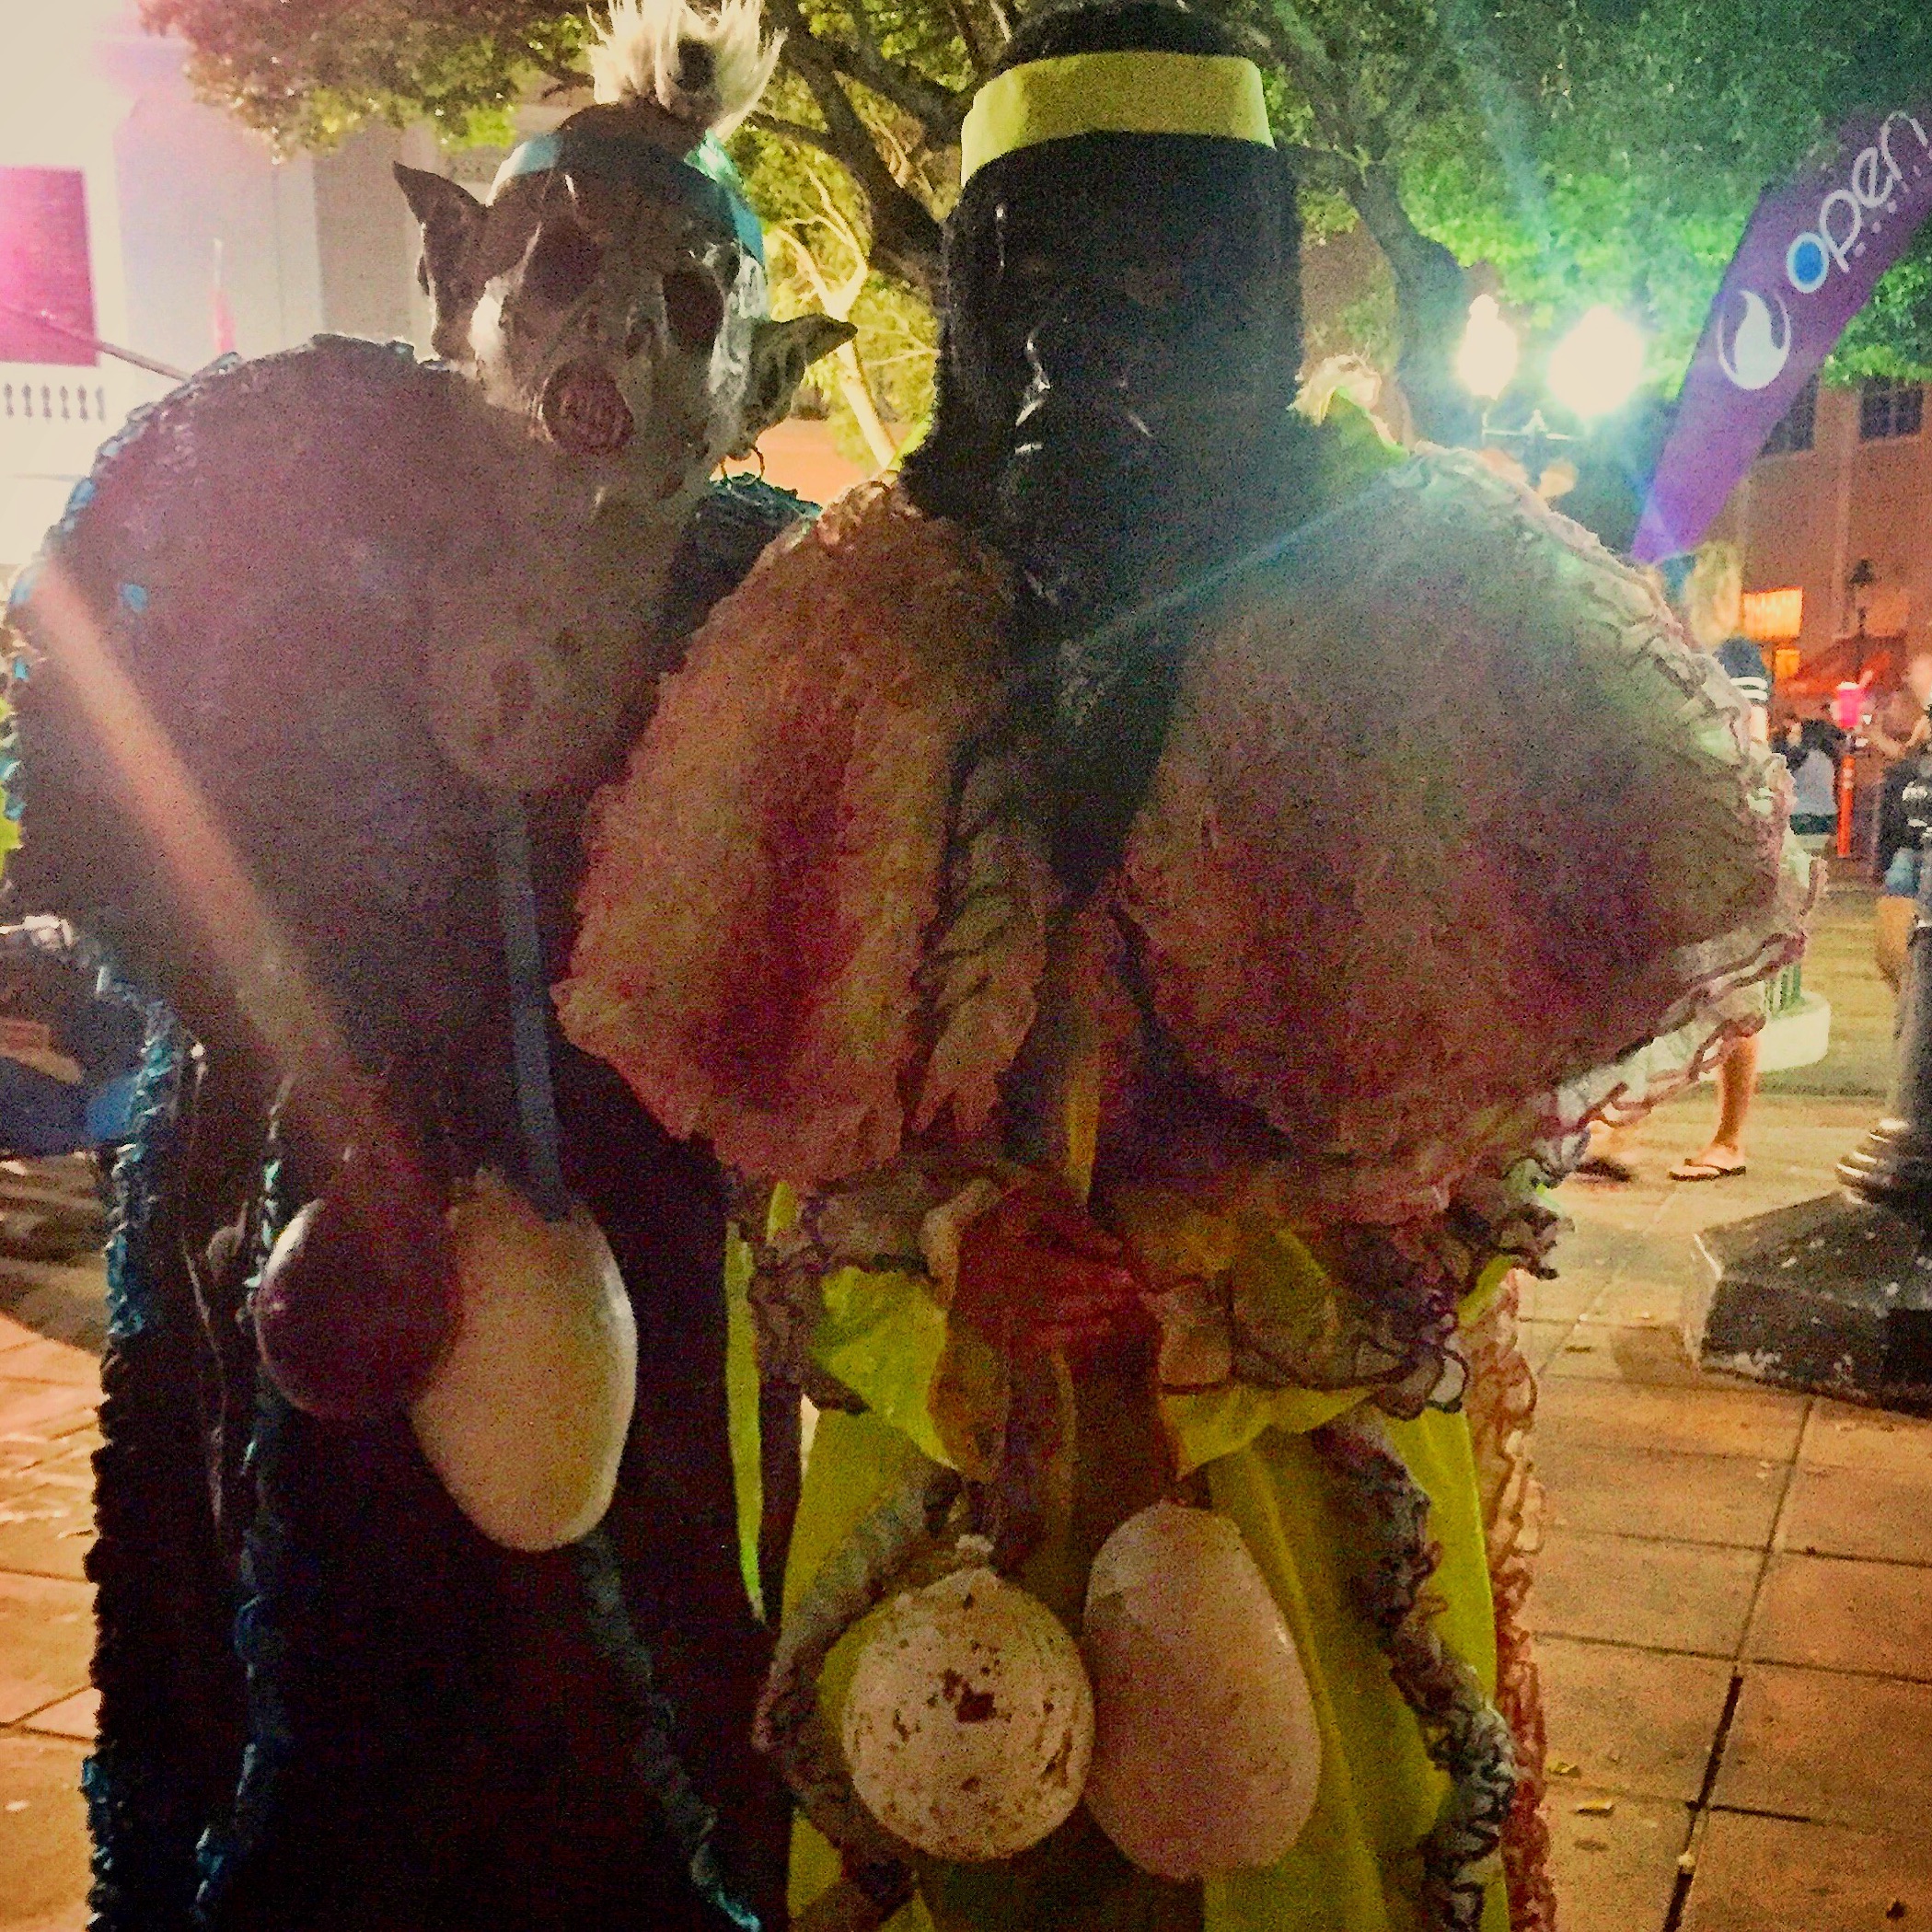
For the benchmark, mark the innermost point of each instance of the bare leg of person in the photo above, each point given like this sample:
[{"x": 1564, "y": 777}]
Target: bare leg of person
[{"x": 1737, "y": 1082}]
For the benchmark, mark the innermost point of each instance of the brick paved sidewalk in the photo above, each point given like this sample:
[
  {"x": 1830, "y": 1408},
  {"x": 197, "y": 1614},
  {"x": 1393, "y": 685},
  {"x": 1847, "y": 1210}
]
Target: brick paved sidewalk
[
  {"x": 1734, "y": 1597},
  {"x": 51, "y": 1325},
  {"x": 1735, "y": 1592}
]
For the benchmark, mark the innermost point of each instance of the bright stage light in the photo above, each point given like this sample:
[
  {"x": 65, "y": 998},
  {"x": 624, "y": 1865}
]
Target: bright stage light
[
  {"x": 1596, "y": 367},
  {"x": 1486, "y": 360}
]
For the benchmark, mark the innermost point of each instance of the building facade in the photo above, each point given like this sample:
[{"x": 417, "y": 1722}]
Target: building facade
[
  {"x": 131, "y": 213},
  {"x": 1844, "y": 479}
]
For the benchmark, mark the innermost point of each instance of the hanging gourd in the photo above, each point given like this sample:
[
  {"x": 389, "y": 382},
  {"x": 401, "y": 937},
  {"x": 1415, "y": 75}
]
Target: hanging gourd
[
  {"x": 969, "y": 1723},
  {"x": 526, "y": 1416},
  {"x": 356, "y": 1304},
  {"x": 1206, "y": 1754}
]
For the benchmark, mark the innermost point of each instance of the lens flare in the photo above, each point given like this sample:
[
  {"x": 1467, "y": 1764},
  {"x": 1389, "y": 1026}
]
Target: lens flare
[{"x": 1595, "y": 369}]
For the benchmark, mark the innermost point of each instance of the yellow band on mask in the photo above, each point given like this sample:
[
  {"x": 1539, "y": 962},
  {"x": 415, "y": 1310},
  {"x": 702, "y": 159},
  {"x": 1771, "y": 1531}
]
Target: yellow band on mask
[{"x": 1134, "y": 92}]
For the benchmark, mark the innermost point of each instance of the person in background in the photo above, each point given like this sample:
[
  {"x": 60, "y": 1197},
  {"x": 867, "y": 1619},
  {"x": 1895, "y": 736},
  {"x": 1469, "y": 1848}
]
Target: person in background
[
  {"x": 1707, "y": 591},
  {"x": 1899, "y": 725},
  {"x": 1900, "y": 732},
  {"x": 68, "y": 1051},
  {"x": 1808, "y": 749},
  {"x": 1710, "y": 594},
  {"x": 1896, "y": 862}
]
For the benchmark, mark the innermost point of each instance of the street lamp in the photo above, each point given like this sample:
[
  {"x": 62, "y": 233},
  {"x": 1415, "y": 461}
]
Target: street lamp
[
  {"x": 1595, "y": 369},
  {"x": 1592, "y": 372},
  {"x": 1486, "y": 360},
  {"x": 1859, "y": 584},
  {"x": 1834, "y": 1295},
  {"x": 1848, "y": 707}
]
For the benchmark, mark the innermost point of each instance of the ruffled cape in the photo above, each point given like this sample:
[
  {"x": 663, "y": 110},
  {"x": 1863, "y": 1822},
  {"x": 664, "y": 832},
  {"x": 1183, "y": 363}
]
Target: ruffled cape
[
  {"x": 761, "y": 885},
  {"x": 1448, "y": 818}
]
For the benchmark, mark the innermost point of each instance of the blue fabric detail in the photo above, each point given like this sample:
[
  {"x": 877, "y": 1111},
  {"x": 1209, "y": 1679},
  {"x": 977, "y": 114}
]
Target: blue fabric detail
[
  {"x": 684, "y": 182},
  {"x": 151, "y": 1113},
  {"x": 109, "y": 1115},
  {"x": 134, "y": 597},
  {"x": 1902, "y": 874},
  {"x": 529, "y": 1014},
  {"x": 40, "y": 1115},
  {"x": 81, "y": 495},
  {"x": 652, "y": 1750}
]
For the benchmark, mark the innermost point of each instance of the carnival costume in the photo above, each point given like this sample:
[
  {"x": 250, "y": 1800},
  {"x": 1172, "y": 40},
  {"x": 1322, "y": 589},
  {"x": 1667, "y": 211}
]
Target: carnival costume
[
  {"x": 1269, "y": 944},
  {"x": 322, "y": 665}
]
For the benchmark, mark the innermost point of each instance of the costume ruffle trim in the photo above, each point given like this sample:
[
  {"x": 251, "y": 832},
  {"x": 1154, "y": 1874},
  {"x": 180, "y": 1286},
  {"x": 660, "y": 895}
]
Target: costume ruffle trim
[
  {"x": 764, "y": 882},
  {"x": 1450, "y": 815}
]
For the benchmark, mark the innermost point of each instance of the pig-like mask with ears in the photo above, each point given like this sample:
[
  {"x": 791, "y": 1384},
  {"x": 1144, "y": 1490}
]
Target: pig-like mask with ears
[{"x": 614, "y": 291}]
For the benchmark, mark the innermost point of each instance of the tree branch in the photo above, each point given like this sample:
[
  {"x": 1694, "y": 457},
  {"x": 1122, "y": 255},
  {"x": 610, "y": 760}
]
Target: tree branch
[
  {"x": 1303, "y": 47},
  {"x": 794, "y": 131},
  {"x": 1289, "y": 43},
  {"x": 938, "y": 110},
  {"x": 906, "y": 239},
  {"x": 566, "y": 78},
  {"x": 968, "y": 30},
  {"x": 1392, "y": 124},
  {"x": 1321, "y": 168},
  {"x": 1432, "y": 303}
]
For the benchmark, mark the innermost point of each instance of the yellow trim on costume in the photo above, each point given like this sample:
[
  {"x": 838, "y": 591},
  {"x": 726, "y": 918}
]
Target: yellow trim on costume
[{"x": 1133, "y": 93}]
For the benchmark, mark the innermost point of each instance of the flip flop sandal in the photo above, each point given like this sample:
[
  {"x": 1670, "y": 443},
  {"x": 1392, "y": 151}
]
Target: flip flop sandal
[
  {"x": 1705, "y": 1171},
  {"x": 1606, "y": 1167}
]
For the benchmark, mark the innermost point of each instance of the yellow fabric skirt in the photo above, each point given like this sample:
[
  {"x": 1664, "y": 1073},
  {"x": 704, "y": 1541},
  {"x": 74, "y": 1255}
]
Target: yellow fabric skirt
[{"x": 1353, "y": 1868}]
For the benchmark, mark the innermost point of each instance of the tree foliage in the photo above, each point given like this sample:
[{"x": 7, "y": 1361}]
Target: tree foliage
[
  {"x": 1585, "y": 150},
  {"x": 308, "y": 72},
  {"x": 1623, "y": 157},
  {"x": 879, "y": 389}
]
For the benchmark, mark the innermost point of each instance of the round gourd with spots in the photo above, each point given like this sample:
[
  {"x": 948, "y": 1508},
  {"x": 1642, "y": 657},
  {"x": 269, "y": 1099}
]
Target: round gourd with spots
[{"x": 969, "y": 1723}]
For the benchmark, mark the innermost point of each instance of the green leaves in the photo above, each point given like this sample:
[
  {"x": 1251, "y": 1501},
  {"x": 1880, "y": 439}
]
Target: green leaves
[
  {"x": 1641, "y": 138},
  {"x": 308, "y": 72},
  {"x": 1587, "y": 150}
]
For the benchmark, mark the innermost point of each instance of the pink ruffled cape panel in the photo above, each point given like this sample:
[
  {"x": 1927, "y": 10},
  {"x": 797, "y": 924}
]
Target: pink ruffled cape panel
[
  {"x": 762, "y": 881},
  {"x": 1450, "y": 816}
]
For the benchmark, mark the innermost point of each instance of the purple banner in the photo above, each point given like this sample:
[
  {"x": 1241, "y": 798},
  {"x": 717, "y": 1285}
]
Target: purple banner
[{"x": 1808, "y": 261}]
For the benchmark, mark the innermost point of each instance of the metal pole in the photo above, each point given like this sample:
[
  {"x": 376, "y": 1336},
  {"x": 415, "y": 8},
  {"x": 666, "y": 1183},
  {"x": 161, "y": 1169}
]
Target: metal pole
[
  {"x": 42, "y": 319},
  {"x": 1891, "y": 1167},
  {"x": 1836, "y": 1294}
]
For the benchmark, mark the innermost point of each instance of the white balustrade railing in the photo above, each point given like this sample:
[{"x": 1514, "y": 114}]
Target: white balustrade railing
[
  {"x": 80, "y": 398},
  {"x": 53, "y": 420}
]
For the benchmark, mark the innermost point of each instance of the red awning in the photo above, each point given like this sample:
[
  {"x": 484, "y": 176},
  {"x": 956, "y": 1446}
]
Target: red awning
[{"x": 1878, "y": 663}]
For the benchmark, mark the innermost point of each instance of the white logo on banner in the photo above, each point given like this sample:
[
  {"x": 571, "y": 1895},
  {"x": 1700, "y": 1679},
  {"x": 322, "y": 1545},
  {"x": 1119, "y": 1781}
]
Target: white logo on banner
[
  {"x": 1757, "y": 352},
  {"x": 1871, "y": 193}
]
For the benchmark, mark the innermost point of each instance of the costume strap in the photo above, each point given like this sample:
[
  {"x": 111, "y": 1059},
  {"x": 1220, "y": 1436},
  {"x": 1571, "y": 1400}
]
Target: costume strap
[
  {"x": 703, "y": 183},
  {"x": 529, "y": 1014},
  {"x": 1123, "y": 93}
]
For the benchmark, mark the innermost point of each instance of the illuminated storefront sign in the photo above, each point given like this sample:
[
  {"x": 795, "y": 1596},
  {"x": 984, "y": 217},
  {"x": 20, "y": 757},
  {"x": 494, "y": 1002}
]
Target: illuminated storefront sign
[{"x": 1773, "y": 616}]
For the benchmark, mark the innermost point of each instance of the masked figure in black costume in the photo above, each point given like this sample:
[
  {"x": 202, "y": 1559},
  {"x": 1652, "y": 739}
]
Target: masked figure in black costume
[{"x": 1143, "y": 1071}]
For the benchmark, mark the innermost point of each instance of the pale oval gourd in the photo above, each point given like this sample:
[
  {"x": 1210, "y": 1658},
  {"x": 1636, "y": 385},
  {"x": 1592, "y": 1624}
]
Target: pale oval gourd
[
  {"x": 525, "y": 1419},
  {"x": 1206, "y": 1752},
  {"x": 969, "y": 1723}
]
